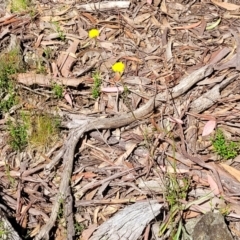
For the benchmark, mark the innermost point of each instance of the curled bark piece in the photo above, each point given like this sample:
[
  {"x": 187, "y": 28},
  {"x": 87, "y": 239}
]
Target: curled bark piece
[{"x": 128, "y": 223}]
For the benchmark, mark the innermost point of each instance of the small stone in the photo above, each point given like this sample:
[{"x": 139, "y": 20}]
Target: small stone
[{"x": 211, "y": 227}]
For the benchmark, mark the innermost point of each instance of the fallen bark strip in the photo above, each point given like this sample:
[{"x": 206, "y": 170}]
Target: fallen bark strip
[
  {"x": 68, "y": 157},
  {"x": 30, "y": 79},
  {"x": 186, "y": 83},
  {"x": 128, "y": 223},
  {"x": 100, "y": 6}
]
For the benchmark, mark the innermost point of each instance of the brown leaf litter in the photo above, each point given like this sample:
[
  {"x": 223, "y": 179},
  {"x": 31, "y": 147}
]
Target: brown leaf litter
[{"x": 115, "y": 154}]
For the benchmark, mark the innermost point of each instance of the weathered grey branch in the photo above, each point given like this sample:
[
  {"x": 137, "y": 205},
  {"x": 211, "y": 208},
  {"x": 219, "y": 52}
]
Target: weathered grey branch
[
  {"x": 68, "y": 212},
  {"x": 187, "y": 82},
  {"x": 70, "y": 145},
  {"x": 209, "y": 98}
]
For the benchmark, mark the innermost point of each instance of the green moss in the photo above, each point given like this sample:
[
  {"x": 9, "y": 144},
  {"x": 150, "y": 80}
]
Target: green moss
[{"x": 33, "y": 130}]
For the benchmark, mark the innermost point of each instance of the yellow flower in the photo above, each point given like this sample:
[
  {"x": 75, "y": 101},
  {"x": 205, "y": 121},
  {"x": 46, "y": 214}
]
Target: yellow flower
[
  {"x": 118, "y": 67},
  {"x": 93, "y": 33}
]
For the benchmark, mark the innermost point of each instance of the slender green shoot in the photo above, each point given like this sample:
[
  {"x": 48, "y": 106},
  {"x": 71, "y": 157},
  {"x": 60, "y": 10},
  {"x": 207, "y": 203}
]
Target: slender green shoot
[
  {"x": 175, "y": 190},
  {"x": 57, "y": 90},
  {"x": 96, "y": 85}
]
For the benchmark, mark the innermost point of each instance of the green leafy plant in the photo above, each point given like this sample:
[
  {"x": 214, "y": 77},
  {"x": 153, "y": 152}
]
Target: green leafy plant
[
  {"x": 224, "y": 148},
  {"x": 96, "y": 85},
  {"x": 61, "y": 35},
  {"x": 47, "y": 52},
  {"x": 126, "y": 90},
  {"x": 40, "y": 67},
  {"x": 60, "y": 32},
  {"x": 57, "y": 90},
  {"x": 10, "y": 63},
  {"x": 175, "y": 190},
  {"x": 18, "y": 134},
  {"x": 9, "y": 100},
  {"x": 225, "y": 210},
  {"x": 79, "y": 227}
]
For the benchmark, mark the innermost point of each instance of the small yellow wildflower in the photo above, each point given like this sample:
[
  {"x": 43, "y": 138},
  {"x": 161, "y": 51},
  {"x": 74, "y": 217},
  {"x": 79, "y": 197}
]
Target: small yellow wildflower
[
  {"x": 93, "y": 33},
  {"x": 118, "y": 67}
]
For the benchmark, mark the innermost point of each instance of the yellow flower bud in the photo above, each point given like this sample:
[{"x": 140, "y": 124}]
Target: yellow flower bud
[
  {"x": 118, "y": 67},
  {"x": 93, "y": 33}
]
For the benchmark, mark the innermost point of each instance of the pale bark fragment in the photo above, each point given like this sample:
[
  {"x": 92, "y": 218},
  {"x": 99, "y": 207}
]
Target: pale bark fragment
[
  {"x": 100, "y": 6},
  {"x": 128, "y": 223}
]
